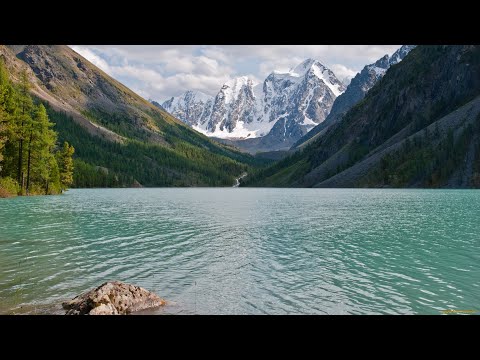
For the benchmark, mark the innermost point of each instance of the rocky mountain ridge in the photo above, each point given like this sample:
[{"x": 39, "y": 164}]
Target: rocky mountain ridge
[{"x": 281, "y": 109}]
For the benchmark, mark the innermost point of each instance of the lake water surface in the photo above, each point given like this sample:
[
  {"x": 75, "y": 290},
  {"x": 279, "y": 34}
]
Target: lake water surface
[{"x": 247, "y": 251}]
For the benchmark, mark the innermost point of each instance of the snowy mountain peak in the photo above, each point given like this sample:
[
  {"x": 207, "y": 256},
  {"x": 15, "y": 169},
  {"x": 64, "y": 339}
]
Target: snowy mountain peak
[
  {"x": 400, "y": 54},
  {"x": 304, "y": 66},
  {"x": 307, "y": 69},
  {"x": 232, "y": 88},
  {"x": 236, "y": 82},
  {"x": 281, "y": 109},
  {"x": 193, "y": 96},
  {"x": 381, "y": 65},
  {"x": 191, "y": 106},
  {"x": 383, "y": 62}
]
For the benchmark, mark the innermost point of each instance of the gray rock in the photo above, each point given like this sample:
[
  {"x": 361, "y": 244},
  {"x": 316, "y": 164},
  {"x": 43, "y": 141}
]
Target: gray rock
[{"x": 113, "y": 298}]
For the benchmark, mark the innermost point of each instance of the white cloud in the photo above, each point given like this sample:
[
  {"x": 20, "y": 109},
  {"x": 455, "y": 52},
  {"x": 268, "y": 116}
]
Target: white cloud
[
  {"x": 215, "y": 53},
  {"x": 92, "y": 57},
  {"x": 343, "y": 73},
  {"x": 279, "y": 64},
  {"x": 161, "y": 71}
]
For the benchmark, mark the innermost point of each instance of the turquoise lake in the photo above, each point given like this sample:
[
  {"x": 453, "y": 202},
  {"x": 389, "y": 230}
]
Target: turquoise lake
[{"x": 246, "y": 251}]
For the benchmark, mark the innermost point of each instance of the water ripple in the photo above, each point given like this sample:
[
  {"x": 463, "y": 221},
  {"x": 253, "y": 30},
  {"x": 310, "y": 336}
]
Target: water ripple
[{"x": 247, "y": 251}]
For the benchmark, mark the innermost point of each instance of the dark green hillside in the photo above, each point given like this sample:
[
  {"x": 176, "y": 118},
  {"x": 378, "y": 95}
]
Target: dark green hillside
[
  {"x": 417, "y": 127},
  {"x": 100, "y": 162}
]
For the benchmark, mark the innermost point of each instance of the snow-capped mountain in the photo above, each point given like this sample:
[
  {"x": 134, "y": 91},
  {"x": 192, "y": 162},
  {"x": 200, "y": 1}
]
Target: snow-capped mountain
[
  {"x": 358, "y": 87},
  {"x": 295, "y": 102},
  {"x": 192, "y": 107},
  {"x": 234, "y": 111},
  {"x": 283, "y": 108}
]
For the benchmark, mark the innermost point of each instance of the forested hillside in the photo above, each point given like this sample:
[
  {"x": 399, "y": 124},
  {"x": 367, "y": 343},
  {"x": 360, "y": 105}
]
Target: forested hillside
[
  {"x": 32, "y": 161},
  {"x": 120, "y": 139},
  {"x": 103, "y": 163},
  {"x": 417, "y": 127}
]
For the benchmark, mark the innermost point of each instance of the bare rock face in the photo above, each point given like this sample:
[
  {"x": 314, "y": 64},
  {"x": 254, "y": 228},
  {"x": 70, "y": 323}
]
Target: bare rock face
[{"x": 112, "y": 298}]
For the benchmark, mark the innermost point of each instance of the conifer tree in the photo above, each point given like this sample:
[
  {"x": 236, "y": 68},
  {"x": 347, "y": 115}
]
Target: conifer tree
[
  {"x": 66, "y": 165},
  {"x": 28, "y": 142},
  {"x": 5, "y": 106},
  {"x": 23, "y": 122},
  {"x": 41, "y": 142},
  {"x": 3, "y": 137}
]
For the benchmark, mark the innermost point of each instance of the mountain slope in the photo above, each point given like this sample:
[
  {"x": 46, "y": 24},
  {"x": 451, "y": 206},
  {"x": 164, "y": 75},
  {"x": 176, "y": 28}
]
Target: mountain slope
[
  {"x": 131, "y": 128},
  {"x": 356, "y": 90},
  {"x": 417, "y": 127},
  {"x": 267, "y": 116}
]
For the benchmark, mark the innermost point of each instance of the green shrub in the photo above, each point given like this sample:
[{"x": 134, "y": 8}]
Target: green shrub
[{"x": 8, "y": 187}]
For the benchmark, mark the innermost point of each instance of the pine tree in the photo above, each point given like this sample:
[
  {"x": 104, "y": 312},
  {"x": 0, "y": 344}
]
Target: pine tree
[
  {"x": 23, "y": 122},
  {"x": 65, "y": 162},
  {"x": 3, "y": 137},
  {"x": 43, "y": 151},
  {"x": 5, "y": 105},
  {"x": 41, "y": 142},
  {"x": 51, "y": 175}
]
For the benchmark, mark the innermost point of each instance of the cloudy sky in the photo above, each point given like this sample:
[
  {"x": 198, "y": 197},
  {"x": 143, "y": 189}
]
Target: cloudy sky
[{"x": 158, "y": 72}]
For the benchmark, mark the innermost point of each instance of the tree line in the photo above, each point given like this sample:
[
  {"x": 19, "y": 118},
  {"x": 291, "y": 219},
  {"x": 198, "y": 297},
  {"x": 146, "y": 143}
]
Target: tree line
[{"x": 31, "y": 160}]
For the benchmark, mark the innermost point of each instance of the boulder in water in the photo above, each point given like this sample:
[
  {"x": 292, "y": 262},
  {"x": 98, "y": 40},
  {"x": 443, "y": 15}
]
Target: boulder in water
[{"x": 113, "y": 298}]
